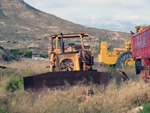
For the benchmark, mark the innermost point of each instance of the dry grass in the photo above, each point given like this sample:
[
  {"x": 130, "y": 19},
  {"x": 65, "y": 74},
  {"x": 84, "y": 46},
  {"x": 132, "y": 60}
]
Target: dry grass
[
  {"x": 114, "y": 99},
  {"x": 25, "y": 65}
]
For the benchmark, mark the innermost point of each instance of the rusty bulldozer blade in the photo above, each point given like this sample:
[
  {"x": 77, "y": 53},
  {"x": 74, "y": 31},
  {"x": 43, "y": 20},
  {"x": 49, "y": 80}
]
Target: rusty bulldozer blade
[
  {"x": 54, "y": 79},
  {"x": 3, "y": 67}
]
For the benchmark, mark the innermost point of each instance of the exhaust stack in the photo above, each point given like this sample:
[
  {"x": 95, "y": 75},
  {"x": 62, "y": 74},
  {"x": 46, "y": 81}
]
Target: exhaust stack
[{"x": 62, "y": 43}]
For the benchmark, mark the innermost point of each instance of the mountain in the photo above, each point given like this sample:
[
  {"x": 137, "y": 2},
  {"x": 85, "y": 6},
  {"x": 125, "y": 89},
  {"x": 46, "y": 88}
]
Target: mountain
[
  {"x": 106, "y": 23},
  {"x": 22, "y": 27}
]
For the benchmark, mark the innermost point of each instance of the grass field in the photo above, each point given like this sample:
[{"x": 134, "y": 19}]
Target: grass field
[{"x": 116, "y": 98}]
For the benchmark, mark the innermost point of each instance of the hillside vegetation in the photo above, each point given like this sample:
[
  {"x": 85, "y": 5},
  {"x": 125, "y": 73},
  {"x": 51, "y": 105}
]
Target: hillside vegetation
[
  {"x": 6, "y": 56},
  {"x": 23, "y": 27}
]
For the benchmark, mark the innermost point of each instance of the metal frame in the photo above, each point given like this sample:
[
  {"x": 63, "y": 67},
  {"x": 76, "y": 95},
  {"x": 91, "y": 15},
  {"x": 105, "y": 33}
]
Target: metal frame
[{"x": 57, "y": 52}]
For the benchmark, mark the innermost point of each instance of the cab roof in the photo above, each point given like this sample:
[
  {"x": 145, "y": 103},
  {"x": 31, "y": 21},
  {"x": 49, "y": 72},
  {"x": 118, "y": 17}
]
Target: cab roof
[{"x": 70, "y": 35}]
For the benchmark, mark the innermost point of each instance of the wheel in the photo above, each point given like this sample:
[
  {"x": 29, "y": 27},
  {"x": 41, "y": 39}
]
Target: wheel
[
  {"x": 67, "y": 65},
  {"x": 125, "y": 59},
  {"x": 138, "y": 66}
]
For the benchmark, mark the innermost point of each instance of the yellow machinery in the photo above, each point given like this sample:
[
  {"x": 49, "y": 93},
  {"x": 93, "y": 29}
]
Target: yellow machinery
[
  {"x": 70, "y": 61},
  {"x": 116, "y": 57},
  {"x": 70, "y": 56},
  {"x": 140, "y": 28},
  {"x": 119, "y": 57}
]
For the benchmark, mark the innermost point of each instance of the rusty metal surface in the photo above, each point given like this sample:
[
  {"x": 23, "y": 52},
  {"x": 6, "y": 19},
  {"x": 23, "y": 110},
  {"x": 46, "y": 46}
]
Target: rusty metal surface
[
  {"x": 3, "y": 67},
  {"x": 53, "y": 79},
  {"x": 70, "y": 35},
  {"x": 140, "y": 46},
  {"x": 57, "y": 50}
]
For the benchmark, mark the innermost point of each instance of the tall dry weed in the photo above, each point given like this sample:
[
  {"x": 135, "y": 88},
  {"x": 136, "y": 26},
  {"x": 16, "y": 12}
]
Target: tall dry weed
[
  {"x": 116, "y": 98},
  {"x": 25, "y": 65}
]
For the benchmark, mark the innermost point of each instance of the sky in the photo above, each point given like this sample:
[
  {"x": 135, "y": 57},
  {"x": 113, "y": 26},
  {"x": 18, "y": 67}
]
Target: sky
[{"x": 133, "y": 11}]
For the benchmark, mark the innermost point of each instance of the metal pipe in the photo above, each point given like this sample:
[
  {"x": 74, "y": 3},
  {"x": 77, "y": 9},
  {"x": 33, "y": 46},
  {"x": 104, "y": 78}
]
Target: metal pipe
[
  {"x": 84, "y": 60},
  {"x": 62, "y": 43}
]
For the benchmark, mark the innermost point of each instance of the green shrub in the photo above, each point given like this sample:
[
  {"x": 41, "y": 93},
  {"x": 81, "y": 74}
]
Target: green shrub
[
  {"x": 15, "y": 82},
  {"x": 31, "y": 48},
  {"x": 1, "y": 47},
  {"x": 44, "y": 56},
  {"x": 111, "y": 68},
  {"x": 15, "y": 42},
  {"x": 146, "y": 109},
  {"x": 8, "y": 41},
  {"x": 3, "y": 110},
  {"x": 20, "y": 79},
  {"x": 12, "y": 85},
  {"x": 15, "y": 51},
  {"x": 28, "y": 54},
  {"x": 26, "y": 74},
  {"x": 35, "y": 54}
]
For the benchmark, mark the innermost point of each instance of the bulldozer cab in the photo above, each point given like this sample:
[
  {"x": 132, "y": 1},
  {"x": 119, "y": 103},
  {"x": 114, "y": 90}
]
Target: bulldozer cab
[
  {"x": 60, "y": 43},
  {"x": 140, "y": 28},
  {"x": 70, "y": 52}
]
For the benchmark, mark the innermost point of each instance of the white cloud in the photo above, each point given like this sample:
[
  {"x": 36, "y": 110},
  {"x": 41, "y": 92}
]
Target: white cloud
[
  {"x": 114, "y": 3},
  {"x": 133, "y": 17},
  {"x": 135, "y": 11},
  {"x": 83, "y": 3},
  {"x": 41, "y": 4}
]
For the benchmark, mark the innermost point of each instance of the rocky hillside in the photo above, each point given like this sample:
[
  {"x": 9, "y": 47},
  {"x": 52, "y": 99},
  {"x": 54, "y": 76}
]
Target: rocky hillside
[{"x": 23, "y": 26}]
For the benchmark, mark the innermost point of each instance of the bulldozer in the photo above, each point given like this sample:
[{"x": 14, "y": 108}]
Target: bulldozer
[
  {"x": 119, "y": 57},
  {"x": 71, "y": 61},
  {"x": 70, "y": 56}
]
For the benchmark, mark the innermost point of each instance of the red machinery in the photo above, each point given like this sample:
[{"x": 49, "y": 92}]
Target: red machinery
[{"x": 140, "y": 42}]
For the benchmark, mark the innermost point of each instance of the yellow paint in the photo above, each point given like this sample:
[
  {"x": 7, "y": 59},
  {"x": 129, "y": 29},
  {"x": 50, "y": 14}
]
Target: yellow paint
[
  {"x": 74, "y": 57},
  {"x": 110, "y": 58},
  {"x": 129, "y": 62},
  {"x": 140, "y": 28},
  {"x": 70, "y": 52}
]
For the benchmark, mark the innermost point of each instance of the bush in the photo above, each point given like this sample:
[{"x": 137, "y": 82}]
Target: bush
[
  {"x": 6, "y": 55},
  {"x": 28, "y": 54},
  {"x": 43, "y": 56},
  {"x": 15, "y": 82},
  {"x": 15, "y": 42},
  {"x": 146, "y": 109},
  {"x": 3, "y": 110},
  {"x": 15, "y": 51},
  {"x": 12, "y": 85},
  {"x": 20, "y": 79},
  {"x": 1, "y": 47},
  {"x": 8, "y": 41},
  {"x": 26, "y": 74}
]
